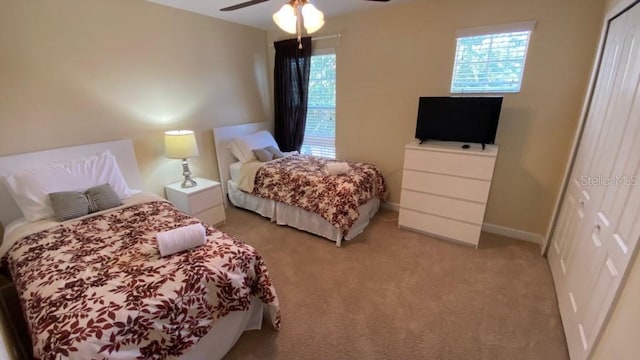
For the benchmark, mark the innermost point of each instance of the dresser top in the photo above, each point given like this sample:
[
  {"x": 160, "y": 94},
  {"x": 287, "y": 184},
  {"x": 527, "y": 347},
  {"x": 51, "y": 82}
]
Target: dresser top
[{"x": 454, "y": 147}]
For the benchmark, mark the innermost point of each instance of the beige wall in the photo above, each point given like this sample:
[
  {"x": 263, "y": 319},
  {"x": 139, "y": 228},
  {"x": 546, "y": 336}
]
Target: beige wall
[
  {"x": 611, "y": 4},
  {"x": 620, "y": 337},
  {"x": 77, "y": 71},
  {"x": 389, "y": 57}
]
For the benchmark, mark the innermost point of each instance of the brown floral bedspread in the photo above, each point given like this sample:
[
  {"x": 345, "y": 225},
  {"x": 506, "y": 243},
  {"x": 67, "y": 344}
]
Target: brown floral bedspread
[
  {"x": 301, "y": 181},
  {"x": 97, "y": 287}
]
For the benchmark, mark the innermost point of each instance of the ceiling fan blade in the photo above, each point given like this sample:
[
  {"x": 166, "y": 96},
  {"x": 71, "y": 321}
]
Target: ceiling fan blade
[{"x": 242, "y": 5}]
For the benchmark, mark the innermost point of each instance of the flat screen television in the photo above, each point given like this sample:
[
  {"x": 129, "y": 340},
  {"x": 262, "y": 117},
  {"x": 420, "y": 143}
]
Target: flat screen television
[{"x": 463, "y": 119}]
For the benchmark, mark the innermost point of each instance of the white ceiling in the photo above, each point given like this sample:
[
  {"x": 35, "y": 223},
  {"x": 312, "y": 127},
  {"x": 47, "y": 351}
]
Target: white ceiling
[{"x": 259, "y": 15}]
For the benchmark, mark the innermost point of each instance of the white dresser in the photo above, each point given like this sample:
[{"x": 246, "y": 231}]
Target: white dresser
[
  {"x": 445, "y": 189},
  {"x": 203, "y": 201}
]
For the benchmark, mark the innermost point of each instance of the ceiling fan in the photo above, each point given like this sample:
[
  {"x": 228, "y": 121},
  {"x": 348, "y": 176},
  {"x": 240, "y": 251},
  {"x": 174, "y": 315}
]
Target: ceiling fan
[
  {"x": 293, "y": 16},
  {"x": 255, "y": 2}
]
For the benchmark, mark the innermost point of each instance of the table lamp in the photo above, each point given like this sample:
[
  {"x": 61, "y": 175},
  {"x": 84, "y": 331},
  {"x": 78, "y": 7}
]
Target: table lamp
[{"x": 181, "y": 144}]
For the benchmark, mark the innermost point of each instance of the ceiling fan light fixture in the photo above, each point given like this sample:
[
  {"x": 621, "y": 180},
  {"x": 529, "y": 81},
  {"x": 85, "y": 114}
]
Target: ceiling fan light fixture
[
  {"x": 313, "y": 18},
  {"x": 285, "y": 18}
]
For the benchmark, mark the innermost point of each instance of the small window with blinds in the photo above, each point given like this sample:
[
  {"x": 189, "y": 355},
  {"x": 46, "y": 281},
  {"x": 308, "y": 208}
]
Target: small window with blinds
[
  {"x": 320, "y": 130},
  {"x": 491, "y": 59}
]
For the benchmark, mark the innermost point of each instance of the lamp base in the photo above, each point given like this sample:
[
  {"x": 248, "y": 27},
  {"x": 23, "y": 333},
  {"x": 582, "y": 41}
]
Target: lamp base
[{"x": 188, "y": 181}]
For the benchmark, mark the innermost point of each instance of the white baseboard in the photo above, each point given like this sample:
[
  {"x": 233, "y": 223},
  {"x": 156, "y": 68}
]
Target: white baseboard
[
  {"x": 491, "y": 228},
  {"x": 513, "y": 233},
  {"x": 391, "y": 206}
]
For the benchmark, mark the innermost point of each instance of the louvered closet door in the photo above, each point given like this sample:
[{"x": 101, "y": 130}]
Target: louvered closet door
[{"x": 599, "y": 223}]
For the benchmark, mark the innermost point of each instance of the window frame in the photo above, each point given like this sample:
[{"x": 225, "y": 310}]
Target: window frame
[{"x": 526, "y": 26}]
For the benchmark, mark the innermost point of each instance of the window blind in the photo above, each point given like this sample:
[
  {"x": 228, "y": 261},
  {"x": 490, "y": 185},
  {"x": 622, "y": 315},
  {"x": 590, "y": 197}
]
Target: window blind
[
  {"x": 320, "y": 130},
  {"x": 490, "y": 63}
]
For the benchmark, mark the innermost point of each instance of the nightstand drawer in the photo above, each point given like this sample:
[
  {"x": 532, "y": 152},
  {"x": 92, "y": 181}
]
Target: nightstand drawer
[
  {"x": 205, "y": 199},
  {"x": 212, "y": 216}
]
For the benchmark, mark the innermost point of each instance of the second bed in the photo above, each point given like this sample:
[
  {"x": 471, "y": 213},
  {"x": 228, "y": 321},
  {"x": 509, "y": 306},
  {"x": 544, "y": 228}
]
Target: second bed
[{"x": 233, "y": 174}]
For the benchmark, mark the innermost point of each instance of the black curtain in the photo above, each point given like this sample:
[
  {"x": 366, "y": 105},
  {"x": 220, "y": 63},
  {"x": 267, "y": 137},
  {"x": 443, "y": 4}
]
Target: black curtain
[{"x": 290, "y": 91}]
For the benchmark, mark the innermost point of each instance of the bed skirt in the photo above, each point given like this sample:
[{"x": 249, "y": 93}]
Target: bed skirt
[
  {"x": 284, "y": 214},
  {"x": 226, "y": 332}
]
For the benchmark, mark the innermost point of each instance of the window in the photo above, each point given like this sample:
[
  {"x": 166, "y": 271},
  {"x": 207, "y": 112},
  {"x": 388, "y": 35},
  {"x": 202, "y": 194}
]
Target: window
[
  {"x": 320, "y": 130},
  {"x": 491, "y": 59}
]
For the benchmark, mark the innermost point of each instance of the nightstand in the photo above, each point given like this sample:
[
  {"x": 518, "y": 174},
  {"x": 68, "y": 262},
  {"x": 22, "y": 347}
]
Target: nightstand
[{"x": 203, "y": 201}]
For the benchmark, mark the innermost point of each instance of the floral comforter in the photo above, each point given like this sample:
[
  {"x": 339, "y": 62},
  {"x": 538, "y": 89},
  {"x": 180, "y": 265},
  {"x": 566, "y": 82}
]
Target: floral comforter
[
  {"x": 302, "y": 181},
  {"x": 96, "y": 287}
]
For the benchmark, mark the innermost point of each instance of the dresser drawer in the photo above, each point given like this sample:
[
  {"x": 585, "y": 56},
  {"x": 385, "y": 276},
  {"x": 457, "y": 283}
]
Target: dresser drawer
[
  {"x": 455, "y": 209},
  {"x": 440, "y": 227},
  {"x": 205, "y": 199},
  {"x": 472, "y": 166},
  {"x": 444, "y": 185}
]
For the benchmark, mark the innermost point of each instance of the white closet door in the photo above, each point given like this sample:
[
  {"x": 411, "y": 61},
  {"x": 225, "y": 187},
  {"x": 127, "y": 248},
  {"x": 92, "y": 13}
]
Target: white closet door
[{"x": 599, "y": 224}]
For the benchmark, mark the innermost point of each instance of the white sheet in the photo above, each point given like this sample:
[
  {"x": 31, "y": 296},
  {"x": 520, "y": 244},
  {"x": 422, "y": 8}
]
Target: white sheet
[
  {"x": 14, "y": 225},
  {"x": 284, "y": 214},
  {"x": 234, "y": 170},
  {"x": 247, "y": 177}
]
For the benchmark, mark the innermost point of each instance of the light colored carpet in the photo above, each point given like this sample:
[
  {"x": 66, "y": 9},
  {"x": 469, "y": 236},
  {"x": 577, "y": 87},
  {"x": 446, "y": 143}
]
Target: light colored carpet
[{"x": 395, "y": 294}]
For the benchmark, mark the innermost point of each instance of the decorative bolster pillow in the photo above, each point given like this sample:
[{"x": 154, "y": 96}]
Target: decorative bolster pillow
[
  {"x": 72, "y": 204},
  {"x": 180, "y": 239},
  {"x": 337, "y": 168}
]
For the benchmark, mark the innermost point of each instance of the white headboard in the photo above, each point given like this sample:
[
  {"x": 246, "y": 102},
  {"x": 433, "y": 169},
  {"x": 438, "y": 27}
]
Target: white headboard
[
  {"x": 121, "y": 149},
  {"x": 221, "y": 137}
]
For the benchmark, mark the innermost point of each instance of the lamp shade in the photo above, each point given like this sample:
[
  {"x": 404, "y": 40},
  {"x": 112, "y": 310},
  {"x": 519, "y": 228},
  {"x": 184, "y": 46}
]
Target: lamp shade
[
  {"x": 313, "y": 18},
  {"x": 285, "y": 18},
  {"x": 180, "y": 144}
]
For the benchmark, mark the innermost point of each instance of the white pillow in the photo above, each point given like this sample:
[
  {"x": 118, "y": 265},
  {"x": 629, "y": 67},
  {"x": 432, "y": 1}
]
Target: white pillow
[
  {"x": 241, "y": 150},
  {"x": 31, "y": 188},
  {"x": 102, "y": 169},
  {"x": 242, "y": 147}
]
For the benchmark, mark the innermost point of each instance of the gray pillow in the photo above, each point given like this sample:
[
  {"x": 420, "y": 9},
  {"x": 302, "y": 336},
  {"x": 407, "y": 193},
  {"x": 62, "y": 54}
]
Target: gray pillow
[
  {"x": 72, "y": 204},
  {"x": 69, "y": 205},
  {"x": 263, "y": 155},
  {"x": 277, "y": 154},
  {"x": 102, "y": 197}
]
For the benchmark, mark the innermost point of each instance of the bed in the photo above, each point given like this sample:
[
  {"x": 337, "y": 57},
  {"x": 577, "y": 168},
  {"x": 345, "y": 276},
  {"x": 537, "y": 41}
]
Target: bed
[
  {"x": 95, "y": 286},
  {"x": 288, "y": 213}
]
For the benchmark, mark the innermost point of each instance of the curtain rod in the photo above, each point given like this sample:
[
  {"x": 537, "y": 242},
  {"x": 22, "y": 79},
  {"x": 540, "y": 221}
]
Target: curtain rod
[
  {"x": 323, "y": 37},
  {"x": 331, "y": 36}
]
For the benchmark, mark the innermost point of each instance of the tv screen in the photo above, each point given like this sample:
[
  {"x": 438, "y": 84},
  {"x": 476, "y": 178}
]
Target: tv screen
[{"x": 463, "y": 119}]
